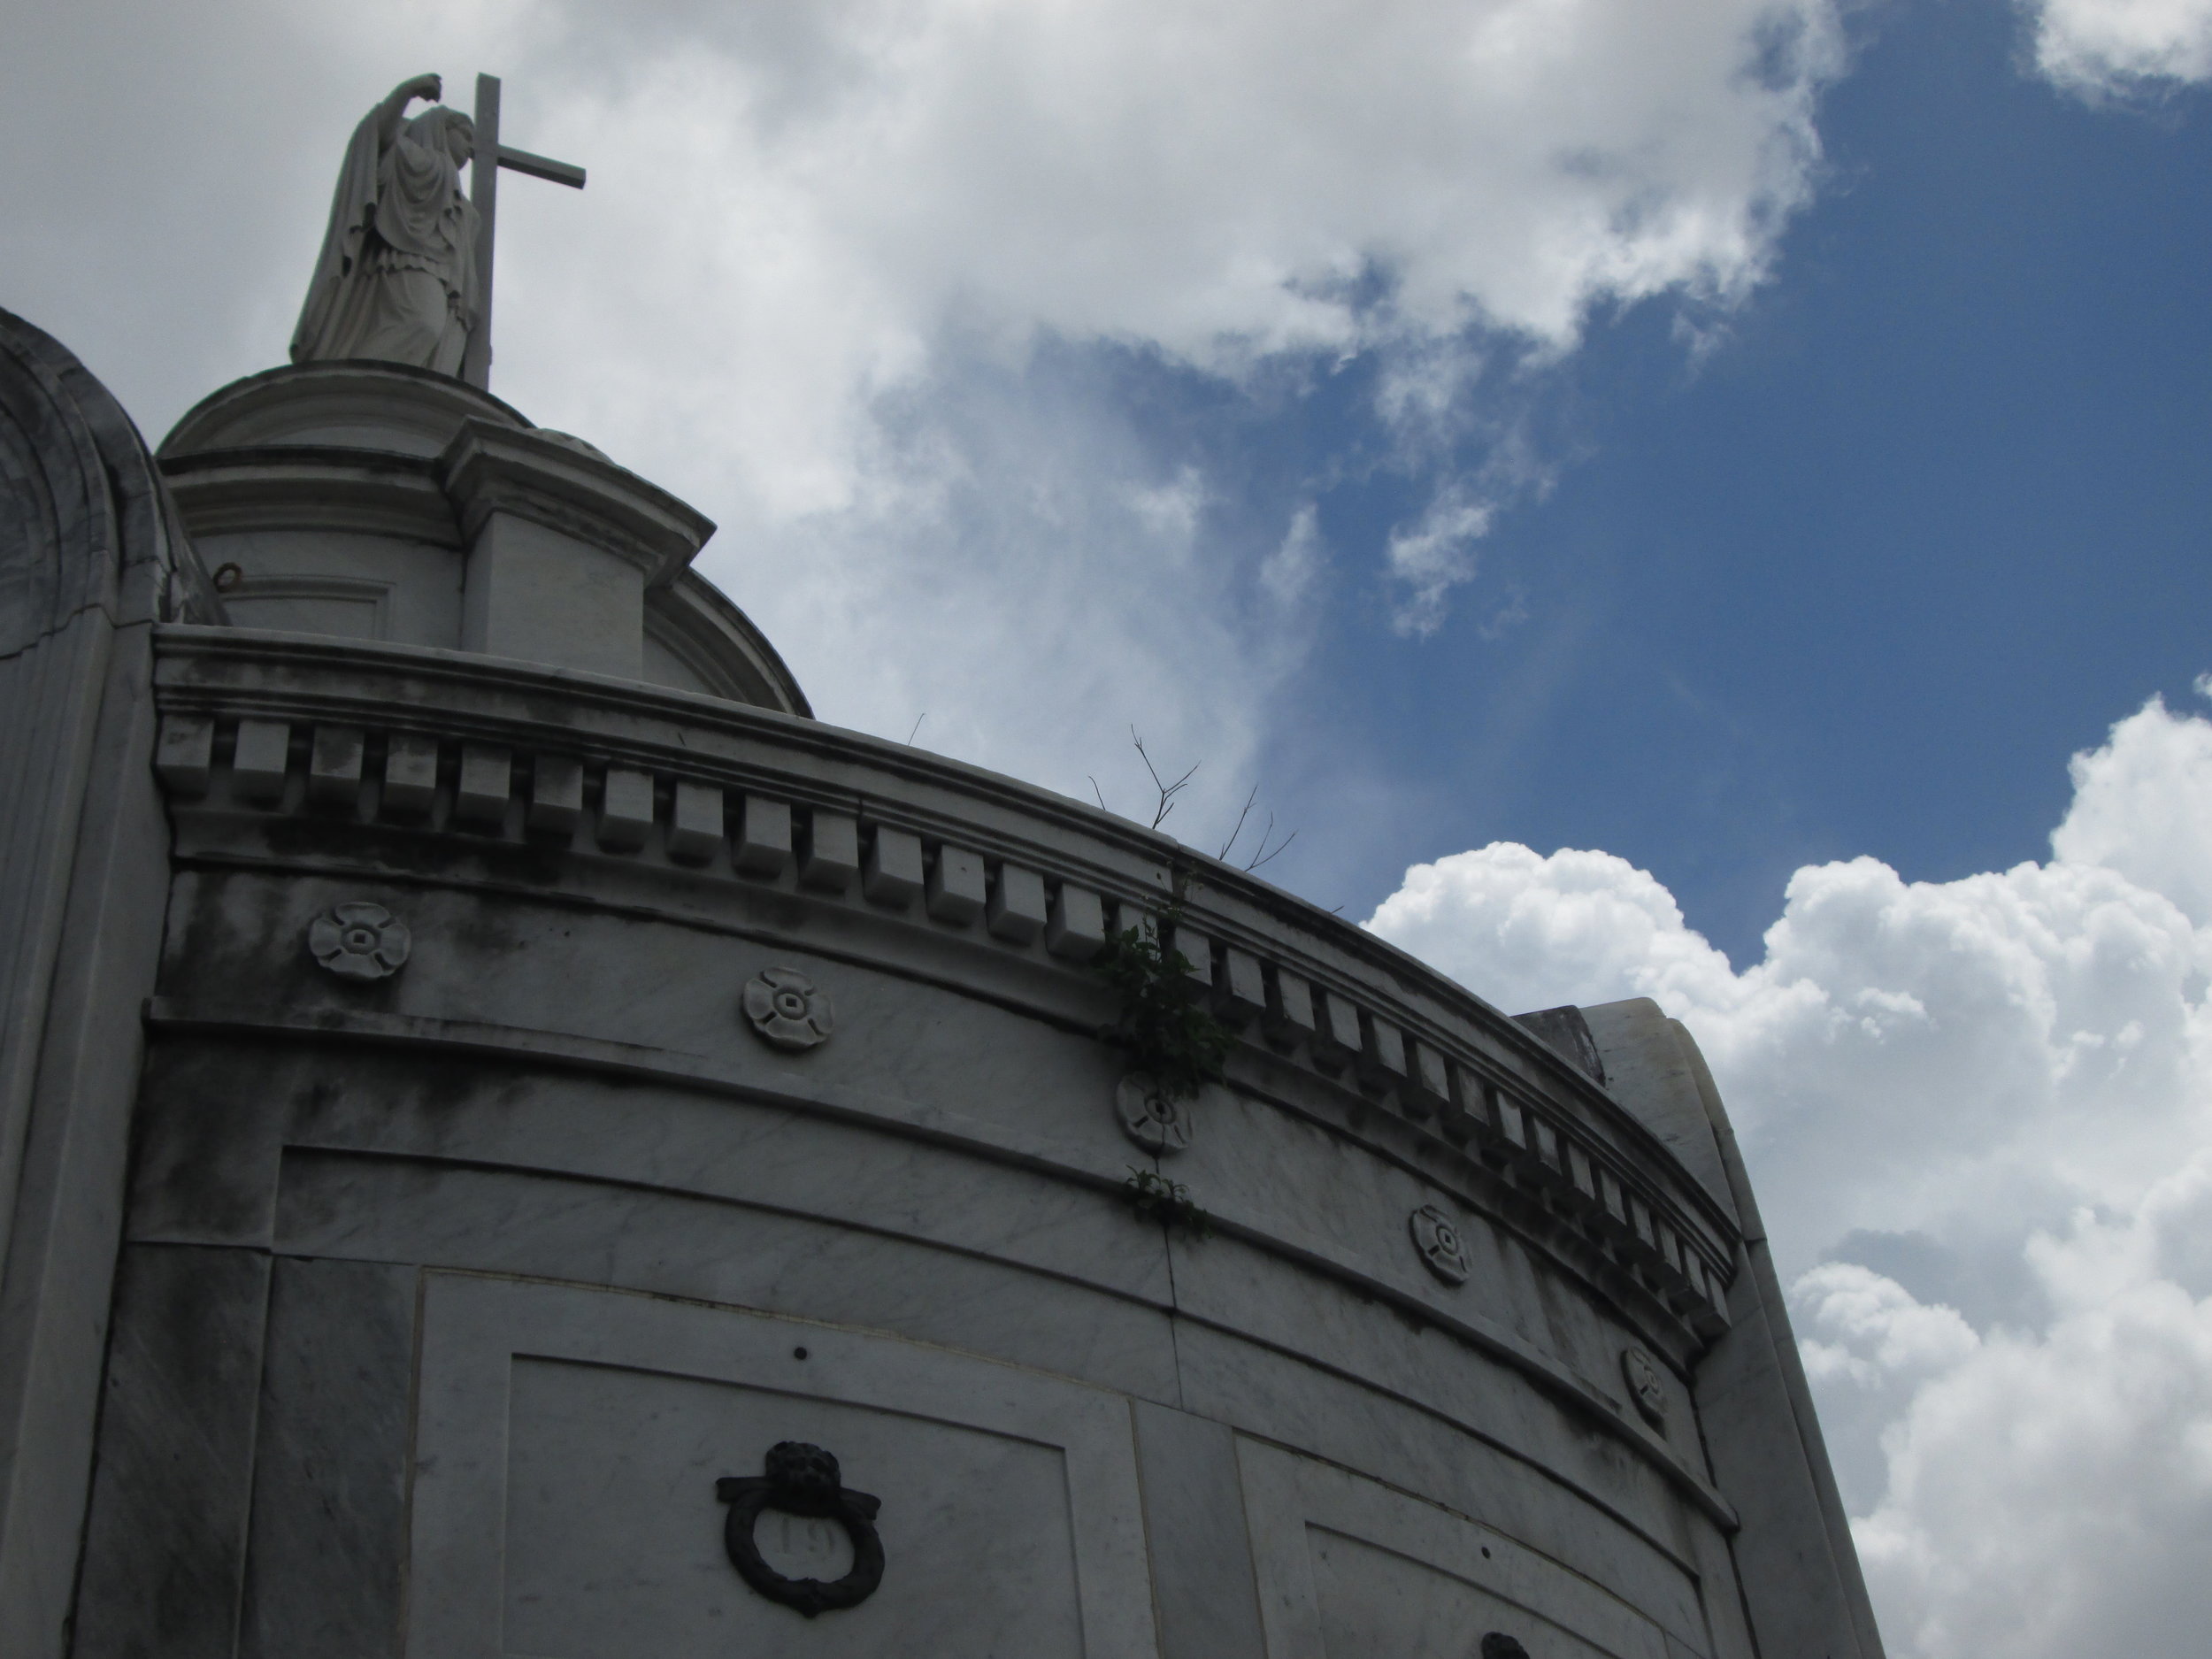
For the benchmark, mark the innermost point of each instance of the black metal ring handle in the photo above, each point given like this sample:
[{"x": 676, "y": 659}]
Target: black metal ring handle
[{"x": 802, "y": 1480}]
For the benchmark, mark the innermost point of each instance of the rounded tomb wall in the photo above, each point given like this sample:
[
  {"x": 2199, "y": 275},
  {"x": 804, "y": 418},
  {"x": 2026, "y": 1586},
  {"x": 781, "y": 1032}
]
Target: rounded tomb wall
[{"x": 605, "y": 991}]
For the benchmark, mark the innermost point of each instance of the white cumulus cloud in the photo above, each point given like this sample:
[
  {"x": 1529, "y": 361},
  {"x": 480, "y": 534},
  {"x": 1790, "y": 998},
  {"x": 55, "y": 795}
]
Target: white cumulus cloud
[
  {"x": 2104, "y": 48},
  {"x": 1979, "y": 1113}
]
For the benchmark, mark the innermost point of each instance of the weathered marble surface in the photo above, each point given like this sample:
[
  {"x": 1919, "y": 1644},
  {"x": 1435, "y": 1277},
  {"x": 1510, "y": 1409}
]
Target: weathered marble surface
[
  {"x": 166, "y": 1538},
  {"x": 90, "y": 559},
  {"x": 377, "y": 502},
  {"x": 452, "y": 1286},
  {"x": 1278, "y": 1401},
  {"x": 1010, "y": 1516},
  {"x": 326, "y": 1567},
  {"x": 1346, "y": 1565},
  {"x": 1199, "y": 1536}
]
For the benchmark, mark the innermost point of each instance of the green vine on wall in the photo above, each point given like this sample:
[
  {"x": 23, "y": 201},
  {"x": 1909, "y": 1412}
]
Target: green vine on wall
[{"x": 1167, "y": 1033}]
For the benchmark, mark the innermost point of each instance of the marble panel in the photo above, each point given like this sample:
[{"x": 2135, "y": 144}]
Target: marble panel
[
  {"x": 399, "y": 587},
  {"x": 1643, "y": 1553},
  {"x": 206, "y": 1171},
  {"x": 325, "y": 1569},
  {"x": 1257, "y": 1296},
  {"x": 534, "y": 593},
  {"x": 925, "y": 1056},
  {"x": 1038, "y": 1299},
  {"x": 1259, "y": 1167},
  {"x": 1198, "y": 1535},
  {"x": 166, "y": 1539},
  {"x": 569, "y": 1443},
  {"x": 1348, "y": 1568}
]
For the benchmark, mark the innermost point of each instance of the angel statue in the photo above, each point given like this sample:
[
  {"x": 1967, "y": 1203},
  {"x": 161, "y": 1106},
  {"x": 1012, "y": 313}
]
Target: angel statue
[{"x": 397, "y": 279}]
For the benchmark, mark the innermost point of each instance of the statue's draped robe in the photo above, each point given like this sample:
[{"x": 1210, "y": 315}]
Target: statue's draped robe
[{"x": 396, "y": 280}]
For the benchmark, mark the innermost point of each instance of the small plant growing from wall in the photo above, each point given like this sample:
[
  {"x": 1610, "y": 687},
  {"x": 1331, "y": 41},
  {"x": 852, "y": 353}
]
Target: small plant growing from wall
[
  {"x": 1167, "y": 1033},
  {"x": 1155, "y": 1198},
  {"x": 1175, "y": 1047}
]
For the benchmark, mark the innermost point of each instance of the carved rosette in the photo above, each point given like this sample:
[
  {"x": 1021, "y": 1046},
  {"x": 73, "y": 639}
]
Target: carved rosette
[
  {"x": 786, "y": 1009},
  {"x": 359, "y": 941},
  {"x": 1150, "y": 1119},
  {"x": 802, "y": 1479},
  {"x": 1646, "y": 1386},
  {"x": 1436, "y": 1235}
]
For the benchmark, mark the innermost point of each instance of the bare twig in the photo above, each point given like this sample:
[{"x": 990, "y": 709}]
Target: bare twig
[
  {"x": 1094, "y": 790},
  {"x": 1265, "y": 856},
  {"x": 1168, "y": 791},
  {"x": 1224, "y": 854},
  {"x": 1262, "y": 854},
  {"x": 918, "y": 719}
]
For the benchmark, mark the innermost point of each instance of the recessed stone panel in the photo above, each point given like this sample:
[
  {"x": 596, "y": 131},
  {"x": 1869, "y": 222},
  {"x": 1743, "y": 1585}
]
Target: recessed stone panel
[
  {"x": 569, "y": 1444},
  {"x": 1350, "y": 1567}
]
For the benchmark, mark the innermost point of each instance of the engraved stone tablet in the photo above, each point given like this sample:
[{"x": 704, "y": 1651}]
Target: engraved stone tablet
[
  {"x": 359, "y": 941},
  {"x": 1436, "y": 1236}
]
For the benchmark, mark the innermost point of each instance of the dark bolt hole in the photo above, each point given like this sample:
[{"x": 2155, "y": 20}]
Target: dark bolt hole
[{"x": 800, "y": 1353}]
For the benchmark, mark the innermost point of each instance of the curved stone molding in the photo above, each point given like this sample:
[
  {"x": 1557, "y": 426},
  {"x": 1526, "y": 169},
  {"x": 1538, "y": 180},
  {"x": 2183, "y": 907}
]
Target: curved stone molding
[
  {"x": 385, "y": 407},
  {"x": 1645, "y": 1388},
  {"x": 1149, "y": 1118},
  {"x": 1436, "y": 1235},
  {"x": 670, "y": 785},
  {"x": 359, "y": 941},
  {"x": 802, "y": 1479},
  {"x": 788, "y": 1009}
]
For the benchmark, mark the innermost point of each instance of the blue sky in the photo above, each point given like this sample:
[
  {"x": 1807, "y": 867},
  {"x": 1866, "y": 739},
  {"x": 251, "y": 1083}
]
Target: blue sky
[
  {"x": 1930, "y": 511},
  {"x": 1627, "y": 482}
]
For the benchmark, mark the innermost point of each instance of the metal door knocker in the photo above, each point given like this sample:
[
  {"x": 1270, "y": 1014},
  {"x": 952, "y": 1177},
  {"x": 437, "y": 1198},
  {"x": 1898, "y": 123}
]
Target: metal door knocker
[{"x": 802, "y": 1479}]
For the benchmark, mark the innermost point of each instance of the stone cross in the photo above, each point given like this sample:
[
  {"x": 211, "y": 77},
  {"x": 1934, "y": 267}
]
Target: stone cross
[{"x": 491, "y": 155}]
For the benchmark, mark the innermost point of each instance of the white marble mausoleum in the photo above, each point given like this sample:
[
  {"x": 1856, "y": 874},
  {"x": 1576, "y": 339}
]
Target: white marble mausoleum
[{"x": 495, "y": 1098}]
